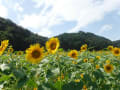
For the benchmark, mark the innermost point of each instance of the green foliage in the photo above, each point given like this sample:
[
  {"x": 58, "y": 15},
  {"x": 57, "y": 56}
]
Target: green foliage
[{"x": 46, "y": 74}]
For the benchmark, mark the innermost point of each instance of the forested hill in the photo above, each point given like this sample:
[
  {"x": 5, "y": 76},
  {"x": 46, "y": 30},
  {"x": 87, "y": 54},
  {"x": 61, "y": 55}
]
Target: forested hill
[
  {"x": 21, "y": 38},
  {"x": 75, "y": 40},
  {"x": 116, "y": 43}
]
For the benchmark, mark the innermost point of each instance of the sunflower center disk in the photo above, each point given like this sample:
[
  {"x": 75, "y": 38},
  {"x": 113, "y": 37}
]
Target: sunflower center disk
[
  {"x": 108, "y": 68},
  {"x": 35, "y": 54},
  {"x": 110, "y": 48},
  {"x": 73, "y": 54},
  {"x": 117, "y": 52},
  {"x": 53, "y": 46},
  {"x": 83, "y": 48}
]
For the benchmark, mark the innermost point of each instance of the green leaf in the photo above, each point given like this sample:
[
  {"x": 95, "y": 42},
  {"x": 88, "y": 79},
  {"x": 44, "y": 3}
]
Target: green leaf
[
  {"x": 22, "y": 82},
  {"x": 18, "y": 73},
  {"x": 98, "y": 74},
  {"x": 73, "y": 86}
]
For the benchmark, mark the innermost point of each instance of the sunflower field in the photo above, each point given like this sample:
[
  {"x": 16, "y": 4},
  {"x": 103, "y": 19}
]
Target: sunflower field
[{"x": 52, "y": 68}]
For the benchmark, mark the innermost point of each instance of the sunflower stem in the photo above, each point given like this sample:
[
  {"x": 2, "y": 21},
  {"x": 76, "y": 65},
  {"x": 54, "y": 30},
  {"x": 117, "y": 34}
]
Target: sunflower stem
[{"x": 59, "y": 66}]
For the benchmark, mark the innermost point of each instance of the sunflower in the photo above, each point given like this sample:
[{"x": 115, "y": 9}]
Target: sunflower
[
  {"x": 77, "y": 80},
  {"x": 98, "y": 57},
  {"x": 110, "y": 48},
  {"x": 107, "y": 61},
  {"x": 84, "y": 87},
  {"x": 82, "y": 75},
  {"x": 34, "y": 54},
  {"x": 19, "y": 53},
  {"x": 73, "y": 54},
  {"x": 74, "y": 62},
  {"x": 97, "y": 66},
  {"x": 108, "y": 68},
  {"x": 5, "y": 43},
  {"x": 116, "y": 51},
  {"x": 3, "y": 46},
  {"x": 52, "y": 45},
  {"x": 62, "y": 77},
  {"x": 10, "y": 50},
  {"x": 85, "y": 60},
  {"x": 1, "y": 50},
  {"x": 35, "y": 89},
  {"x": 84, "y": 47}
]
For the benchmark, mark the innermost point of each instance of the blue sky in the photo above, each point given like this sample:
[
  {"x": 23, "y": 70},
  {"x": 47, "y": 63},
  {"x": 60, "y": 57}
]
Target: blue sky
[{"x": 53, "y": 17}]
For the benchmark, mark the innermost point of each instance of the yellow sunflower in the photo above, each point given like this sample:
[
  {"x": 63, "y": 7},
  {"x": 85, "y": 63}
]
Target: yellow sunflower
[
  {"x": 73, "y": 54},
  {"x": 74, "y": 62},
  {"x": 85, "y": 60},
  {"x": 107, "y": 61},
  {"x": 108, "y": 68},
  {"x": 60, "y": 77},
  {"x": 34, "y": 54},
  {"x": 98, "y": 57},
  {"x": 84, "y": 87},
  {"x": 116, "y": 51},
  {"x": 97, "y": 66},
  {"x": 5, "y": 43},
  {"x": 52, "y": 45},
  {"x": 77, "y": 80},
  {"x": 35, "y": 89},
  {"x": 110, "y": 48},
  {"x": 82, "y": 75},
  {"x": 1, "y": 50},
  {"x": 84, "y": 47},
  {"x": 20, "y": 53},
  {"x": 3, "y": 46},
  {"x": 10, "y": 50}
]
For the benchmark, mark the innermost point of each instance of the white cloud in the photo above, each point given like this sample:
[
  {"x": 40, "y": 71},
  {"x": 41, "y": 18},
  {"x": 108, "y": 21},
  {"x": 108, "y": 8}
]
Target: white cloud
[
  {"x": 83, "y": 12},
  {"x": 95, "y": 13},
  {"x": 3, "y": 10},
  {"x": 45, "y": 32},
  {"x": 18, "y": 7},
  {"x": 34, "y": 21},
  {"x": 105, "y": 28}
]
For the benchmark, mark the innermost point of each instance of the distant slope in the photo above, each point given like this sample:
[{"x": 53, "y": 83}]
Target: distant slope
[
  {"x": 19, "y": 37},
  {"x": 75, "y": 40},
  {"x": 116, "y": 43}
]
